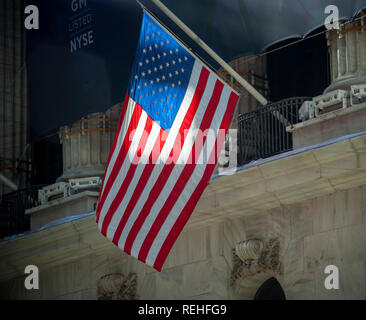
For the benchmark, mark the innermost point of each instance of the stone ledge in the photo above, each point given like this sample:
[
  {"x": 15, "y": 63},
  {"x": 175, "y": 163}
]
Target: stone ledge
[
  {"x": 61, "y": 208},
  {"x": 61, "y": 201},
  {"x": 306, "y": 175},
  {"x": 326, "y": 117}
]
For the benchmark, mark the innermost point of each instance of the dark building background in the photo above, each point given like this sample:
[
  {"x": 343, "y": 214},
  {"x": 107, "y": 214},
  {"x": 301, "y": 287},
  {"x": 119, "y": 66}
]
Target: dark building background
[{"x": 299, "y": 68}]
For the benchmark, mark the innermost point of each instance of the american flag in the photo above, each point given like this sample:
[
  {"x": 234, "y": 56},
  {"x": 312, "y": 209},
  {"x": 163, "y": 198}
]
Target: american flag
[{"x": 161, "y": 159}]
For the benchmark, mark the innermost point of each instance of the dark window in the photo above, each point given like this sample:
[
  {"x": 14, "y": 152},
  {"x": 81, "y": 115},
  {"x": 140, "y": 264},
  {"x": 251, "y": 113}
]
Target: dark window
[{"x": 270, "y": 290}]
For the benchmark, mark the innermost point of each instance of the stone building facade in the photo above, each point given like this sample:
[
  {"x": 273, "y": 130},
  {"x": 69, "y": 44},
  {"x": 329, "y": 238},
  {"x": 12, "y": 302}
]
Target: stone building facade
[{"x": 287, "y": 218}]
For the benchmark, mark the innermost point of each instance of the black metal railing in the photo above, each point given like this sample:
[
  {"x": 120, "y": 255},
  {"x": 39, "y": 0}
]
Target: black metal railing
[
  {"x": 13, "y": 219},
  {"x": 262, "y": 133}
]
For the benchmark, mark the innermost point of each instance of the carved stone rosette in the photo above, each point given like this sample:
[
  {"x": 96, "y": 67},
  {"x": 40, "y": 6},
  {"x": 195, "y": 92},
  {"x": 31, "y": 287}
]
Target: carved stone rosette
[
  {"x": 117, "y": 287},
  {"x": 255, "y": 256}
]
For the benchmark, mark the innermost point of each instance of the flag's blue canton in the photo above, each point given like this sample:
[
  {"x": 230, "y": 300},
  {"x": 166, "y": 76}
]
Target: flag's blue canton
[{"x": 161, "y": 73}]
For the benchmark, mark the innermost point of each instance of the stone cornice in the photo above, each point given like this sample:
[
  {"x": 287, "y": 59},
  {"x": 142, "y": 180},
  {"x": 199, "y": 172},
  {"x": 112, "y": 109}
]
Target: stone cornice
[
  {"x": 326, "y": 117},
  {"x": 62, "y": 201},
  {"x": 285, "y": 181},
  {"x": 306, "y": 175}
]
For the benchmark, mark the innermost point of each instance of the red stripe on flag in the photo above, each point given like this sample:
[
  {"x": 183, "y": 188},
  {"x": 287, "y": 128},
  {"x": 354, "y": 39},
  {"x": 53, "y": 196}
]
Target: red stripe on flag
[
  {"x": 142, "y": 182},
  {"x": 131, "y": 171},
  {"x": 165, "y": 174},
  {"x": 183, "y": 178},
  {"x": 192, "y": 202},
  {"x": 146, "y": 175},
  {"x": 121, "y": 117},
  {"x": 122, "y": 154}
]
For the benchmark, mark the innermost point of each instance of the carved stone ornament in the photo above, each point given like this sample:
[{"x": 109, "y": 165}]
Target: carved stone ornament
[
  {"x": 117, "y": 287},
  {"x": 249, "y": 251},
  {"x": 255, "y": 256}
]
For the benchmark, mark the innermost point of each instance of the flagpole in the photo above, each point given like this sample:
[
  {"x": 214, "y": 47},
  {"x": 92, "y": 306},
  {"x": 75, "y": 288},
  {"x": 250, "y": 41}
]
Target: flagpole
[{"x": 255, "y": 93}]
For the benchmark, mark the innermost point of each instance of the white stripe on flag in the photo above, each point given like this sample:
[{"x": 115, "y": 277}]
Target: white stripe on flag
[
  {"x": 159, "y": 203},
  {"x": 154, "y": 135},
  {"x": 189, "y": 188},
  {"x": 122, "y": 173},
  {"x": 121, "y": 137},
  {"x": 187, "y": 146},
  {"x": 196, "y": 71}
]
